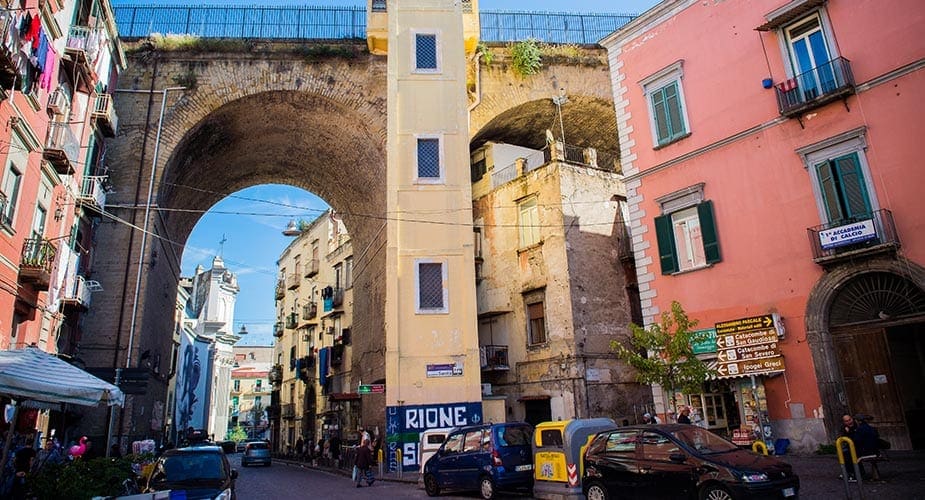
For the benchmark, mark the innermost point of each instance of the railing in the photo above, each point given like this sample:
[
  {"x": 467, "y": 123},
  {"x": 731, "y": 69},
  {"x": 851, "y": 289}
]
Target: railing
[
  {"x": 276, "y": 374},
  {"x": 340, "y": 23},
  {"x": 278, "y": 329},
  {"x": 8, "y": 68},
  {"x": 105, "y": 113},
  {"x": 93, "y": 191},
  {"x": 86, "y": 40},
  {"x": 338, "y": 298},
  {"x": 859, "y": 235},
  {"x": 309, "y": 311},
  {"x": 79, "y": 294},
  {"x": 571, "y": 154},
  {"x": 558, "y": 151},
  {"x": 61, "y": 146},
  {"x": 293, "y": 280},
  {"x": 311, "y": 268},
  {"x": 38, "y": 253},
  {"x": 280, "y": 289},
  {"x": 292, "y": 321},
  {"x": 287, "y": 411},
  {"x": 815, "y": 88},
  {"x": 493, "y": 357}
]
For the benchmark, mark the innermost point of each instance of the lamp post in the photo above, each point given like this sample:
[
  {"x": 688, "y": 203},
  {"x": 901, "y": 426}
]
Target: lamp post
[{"x": 559, "y": 100}]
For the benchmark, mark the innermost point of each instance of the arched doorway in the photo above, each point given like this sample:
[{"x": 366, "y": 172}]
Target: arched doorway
[{"x": 875, "y": 321}]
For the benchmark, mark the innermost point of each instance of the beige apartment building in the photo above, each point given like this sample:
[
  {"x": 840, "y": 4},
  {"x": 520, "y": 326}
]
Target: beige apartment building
[
  {"x": 250, "y": 389},
  {"x": 313, "y": 392}
]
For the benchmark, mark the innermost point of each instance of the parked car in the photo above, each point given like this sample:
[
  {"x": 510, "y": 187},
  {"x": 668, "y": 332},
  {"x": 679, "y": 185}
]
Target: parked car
[
  {"x": 256, "y": 452},
  {"x": 194, "y": 473},
  {"x": 228, "y": 447},
  {"x": 680, "y": 461},
  {"x": 485, "y": 458}
]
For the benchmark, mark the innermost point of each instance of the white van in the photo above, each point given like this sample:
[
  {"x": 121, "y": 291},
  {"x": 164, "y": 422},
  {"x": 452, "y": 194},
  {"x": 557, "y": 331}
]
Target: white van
[{"x": 431, "y": 439}]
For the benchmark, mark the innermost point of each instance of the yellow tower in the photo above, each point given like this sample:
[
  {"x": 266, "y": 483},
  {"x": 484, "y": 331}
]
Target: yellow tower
[{"x": 432, "y": 352}]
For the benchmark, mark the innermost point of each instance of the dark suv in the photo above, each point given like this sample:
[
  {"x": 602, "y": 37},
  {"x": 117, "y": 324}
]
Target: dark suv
[
  {"x": 486, "y": 458},
  {"x": 201, "y": 472},
  {"x": 680, "y": 461}
]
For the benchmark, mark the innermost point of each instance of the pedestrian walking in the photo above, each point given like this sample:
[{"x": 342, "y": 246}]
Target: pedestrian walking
[{"x": 363, "y": 466}]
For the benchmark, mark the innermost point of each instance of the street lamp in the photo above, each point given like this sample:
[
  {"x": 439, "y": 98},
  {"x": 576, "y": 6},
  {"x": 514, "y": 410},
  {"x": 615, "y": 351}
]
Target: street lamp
[
  {"x": 559, "y": 100},
  {"x": 292, "y": 229}
]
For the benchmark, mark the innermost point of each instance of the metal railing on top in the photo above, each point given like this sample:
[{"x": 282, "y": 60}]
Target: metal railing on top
[{"x": 340, "y": 23}]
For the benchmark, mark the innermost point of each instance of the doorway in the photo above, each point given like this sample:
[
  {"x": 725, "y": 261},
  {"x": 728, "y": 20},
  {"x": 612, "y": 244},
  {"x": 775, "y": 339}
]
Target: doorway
[
  {"x": 537, "y": 410},
  {"x": 907, "y": 354}
]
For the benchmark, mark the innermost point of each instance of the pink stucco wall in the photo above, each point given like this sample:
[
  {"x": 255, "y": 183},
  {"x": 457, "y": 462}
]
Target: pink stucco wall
[{"x": 762, "y": 192}]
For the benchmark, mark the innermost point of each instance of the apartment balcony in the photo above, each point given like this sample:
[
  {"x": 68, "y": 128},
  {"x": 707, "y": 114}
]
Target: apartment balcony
[
  {"x": 338, "y": 299},
  {"x": 293, "y": 280},
  {"x": 104, "y": 115},
  {"x": 815, "y": 88},
  {"x": 493, "y": 358},
  {"x": 276, "y": 374},
  {"x": 860, "y": 237},
  {"x": 287, "y": 411},
  {"x": 83, "y": 45},
  {"x": 278, "y": 329},
  {"x": 310, "y": 311},
  {"x": 93, "y": 194},
  {"x": 77, "y": 297},
  {"x": 292, "y": 321},
  {"x": 8, "y": 69},
  {"x": 61, "y": 148},
  {"x": 280, "y": 289},
  {"x": 38, "y": 257},
  {"x": 311, "y": 268}
]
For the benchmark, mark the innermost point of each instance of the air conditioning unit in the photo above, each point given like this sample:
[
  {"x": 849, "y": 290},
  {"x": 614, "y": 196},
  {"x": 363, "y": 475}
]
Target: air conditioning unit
[
  {"x": 486, "y": 389},
  {"x": 57, "y": 102}
]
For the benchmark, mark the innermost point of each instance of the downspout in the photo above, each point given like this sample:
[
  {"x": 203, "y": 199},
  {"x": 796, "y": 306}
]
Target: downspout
[{"x": 478, "y": 87}]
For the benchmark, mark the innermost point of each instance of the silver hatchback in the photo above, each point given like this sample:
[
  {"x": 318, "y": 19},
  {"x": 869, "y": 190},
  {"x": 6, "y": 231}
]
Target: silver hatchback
[{"x": 256, "y": 452}]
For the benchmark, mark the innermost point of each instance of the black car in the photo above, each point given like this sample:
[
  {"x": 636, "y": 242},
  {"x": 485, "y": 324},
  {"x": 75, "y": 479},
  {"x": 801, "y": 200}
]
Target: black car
[
  {"x": 201, "y": 472},
  {"x": 683, "y": 462}
]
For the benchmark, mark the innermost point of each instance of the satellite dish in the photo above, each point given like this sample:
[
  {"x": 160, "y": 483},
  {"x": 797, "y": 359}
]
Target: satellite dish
[{"x": 549, "y": 137}]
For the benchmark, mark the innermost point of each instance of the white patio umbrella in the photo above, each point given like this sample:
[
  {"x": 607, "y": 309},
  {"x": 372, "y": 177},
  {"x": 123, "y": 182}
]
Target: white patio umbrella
[{"x": 33, "y": 375}]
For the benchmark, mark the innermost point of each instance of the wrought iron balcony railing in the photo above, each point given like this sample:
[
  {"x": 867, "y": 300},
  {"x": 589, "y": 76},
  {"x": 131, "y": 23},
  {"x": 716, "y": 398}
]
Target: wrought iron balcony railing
[
  {"x": 309, "y": 311},
  {"x": 104, "y": 112},
  {"x": 311, "y": 268},
  {"x": 494, "y": 358},
  {"x": 837, "y": 240},
  {"x": 292, "y": 321},
  {"x": 61, "y": 148},
  {"x": 278, "y": 329},
  {"x": 280, "y": 289},
  {"x": 287, "y": 411},
  {"x": 38, "y": 257},
  {"x": 93, "y": 193},
  {"x": 817, "y": 87},
  {"x": 293, "y": 280}
]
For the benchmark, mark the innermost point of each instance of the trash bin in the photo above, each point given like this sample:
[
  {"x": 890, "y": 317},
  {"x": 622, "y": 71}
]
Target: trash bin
[{"x": 781, "y": 445}]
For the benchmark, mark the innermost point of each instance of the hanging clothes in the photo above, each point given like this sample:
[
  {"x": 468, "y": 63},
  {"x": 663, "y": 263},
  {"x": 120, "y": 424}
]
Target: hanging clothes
[
  {"x": 51, "y": 59},
  {"x": 42, "y": 51}
]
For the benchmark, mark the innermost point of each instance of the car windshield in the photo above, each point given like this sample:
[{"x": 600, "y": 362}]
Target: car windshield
[
  {"x": 702, "y": 440},
  {"x": 189, "y": 466}
]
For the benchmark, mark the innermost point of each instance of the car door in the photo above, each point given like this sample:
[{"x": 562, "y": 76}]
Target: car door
[
  {"x": 470, "y": 460},
  {"x": 448, "y": 460},
  {"x": 613, "y": 463},
  {"x": 660, "y": 476}
]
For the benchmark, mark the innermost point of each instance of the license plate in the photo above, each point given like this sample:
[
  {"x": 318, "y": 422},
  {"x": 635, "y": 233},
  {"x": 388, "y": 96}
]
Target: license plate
[
  {"x": 523, "y": 467},
  {"x": 788, "y": 492}
]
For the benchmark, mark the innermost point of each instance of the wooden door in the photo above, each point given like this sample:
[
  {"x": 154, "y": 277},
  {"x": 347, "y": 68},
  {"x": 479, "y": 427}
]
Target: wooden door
[{"x": 864, "y": 359}]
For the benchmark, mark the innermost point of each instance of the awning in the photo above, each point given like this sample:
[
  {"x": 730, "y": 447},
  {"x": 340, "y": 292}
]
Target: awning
[
  {"x": 788, "y": 13},
  {"x": 343, "y": 396},
  {"x": 32, "y": 374},
  {"x": 538, "y": 397}
]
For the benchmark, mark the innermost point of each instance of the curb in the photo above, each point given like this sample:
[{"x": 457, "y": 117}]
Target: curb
[{"x": 341, "y": 472}]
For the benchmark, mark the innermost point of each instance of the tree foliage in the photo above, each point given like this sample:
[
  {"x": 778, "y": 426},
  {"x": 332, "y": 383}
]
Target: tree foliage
[
  {"x": 237, "y": 434},
  {"x": 526, "y": 57},
  {"x": 663, "y": 354}
]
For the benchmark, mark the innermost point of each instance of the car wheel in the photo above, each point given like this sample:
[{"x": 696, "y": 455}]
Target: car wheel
[
  {"x": 431, "y": 486},
  {"x": 715, "y": 492},
  {"x": 487, "y": 488},
  {"x": 597, "y": 492}
]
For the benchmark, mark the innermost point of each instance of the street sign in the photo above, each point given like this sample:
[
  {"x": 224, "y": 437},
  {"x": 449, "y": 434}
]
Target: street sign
[
  {"x": 765, "y": 321},
  {"x": 746, "y": 339},
  {"x": 753, "y": 367},
  {"x": 706, "y": 341},
  {"x": 746, "y": 353},
  {"x": 371, "y": 389}
]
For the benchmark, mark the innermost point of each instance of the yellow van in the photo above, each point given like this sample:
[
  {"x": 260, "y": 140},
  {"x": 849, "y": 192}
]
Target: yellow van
[{"x": 558, "y": 448}]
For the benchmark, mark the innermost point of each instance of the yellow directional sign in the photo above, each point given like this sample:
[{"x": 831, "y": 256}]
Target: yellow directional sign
[
  {"x": 746, "y": 353},
  {"x": 745, "y": 339},
  {"x": 753, "y": 367},
  {"x": 762, "y": 322}
]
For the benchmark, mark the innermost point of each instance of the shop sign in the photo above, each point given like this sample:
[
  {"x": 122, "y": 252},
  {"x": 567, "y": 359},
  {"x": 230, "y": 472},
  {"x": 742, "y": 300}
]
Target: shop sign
[
  {"x": 847, "y": 234},
  {"x": 371, "y": 389},
  {"x": 749, "y": 352},
  {"x": 753, "y": 367},
  {"x": 444, "y": 370},
  {"x": 706, "y": 341}
]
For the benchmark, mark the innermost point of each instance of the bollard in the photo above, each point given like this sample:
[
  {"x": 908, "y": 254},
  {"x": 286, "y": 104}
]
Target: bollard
[
  {"x": 760, "y": 444},
  {"x": 380, "y": 456},
  {"x": 398, "y": 461},
  {"x": 854, "y": 462}
]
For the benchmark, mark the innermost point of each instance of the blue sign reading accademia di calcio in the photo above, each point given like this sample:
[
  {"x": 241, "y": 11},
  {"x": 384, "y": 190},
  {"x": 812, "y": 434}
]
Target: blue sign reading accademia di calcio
[{"x": 404, "y": 425}]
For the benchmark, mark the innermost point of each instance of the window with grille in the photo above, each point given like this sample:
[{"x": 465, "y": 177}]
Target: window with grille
[
  {"x": 425, "y": 53},
  {"x": 428, "y": 159},
  {"x": 667, "y": 113},
  {"x": 431, "y": 289},
  {"x": 528, "y": 222}
]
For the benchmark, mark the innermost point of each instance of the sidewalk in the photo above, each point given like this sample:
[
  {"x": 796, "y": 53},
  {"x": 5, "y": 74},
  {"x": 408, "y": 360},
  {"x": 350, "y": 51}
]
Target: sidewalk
[{"x": 902, "y": 476}]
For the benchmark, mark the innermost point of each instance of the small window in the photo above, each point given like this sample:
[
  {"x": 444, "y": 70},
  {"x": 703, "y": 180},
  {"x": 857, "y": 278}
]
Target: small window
[
  {"x": 528, "y": 222},
  {"x": 431, "y": 289},
  {"x": 429, "y": 164},
  {"x": 536, "y": 323},
  {"x": 11, "y": 185},
  {"x": 665, "y": 98},
  {"x": 425, "y": 53},
  {"x": 687, "y": 238},
  {"x": 237, "y": 387},
  {"x": 348, "y": 272}
]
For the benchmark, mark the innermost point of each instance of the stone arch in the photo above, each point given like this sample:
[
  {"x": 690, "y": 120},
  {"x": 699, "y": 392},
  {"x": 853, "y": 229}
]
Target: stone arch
[{"x": 818, "y": 332}]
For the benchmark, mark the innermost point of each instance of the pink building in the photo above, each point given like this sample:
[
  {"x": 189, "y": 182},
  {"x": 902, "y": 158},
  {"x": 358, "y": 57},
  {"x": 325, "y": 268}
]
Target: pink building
[{"x": 773, "y": 174}]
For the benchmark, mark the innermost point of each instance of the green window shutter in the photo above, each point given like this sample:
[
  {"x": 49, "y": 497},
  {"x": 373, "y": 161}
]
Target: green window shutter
[
  {"x": 828, "y": 186},
  {"x": 667, "y": 254},
  {"x": 853, "y": 190},
  {"x": 673, "y": 105},
  {"x": 660, "y": 110},
  {"x": 708, "y": 232}
]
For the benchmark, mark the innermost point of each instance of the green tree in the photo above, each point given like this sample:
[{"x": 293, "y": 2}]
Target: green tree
[
  {"x": 663, "y": 354},
  {"x": 237, "y": 434}
]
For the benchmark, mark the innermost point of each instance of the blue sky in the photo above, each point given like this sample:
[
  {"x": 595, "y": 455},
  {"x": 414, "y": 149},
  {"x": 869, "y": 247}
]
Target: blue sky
[{"x": 251, "y": 221}]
